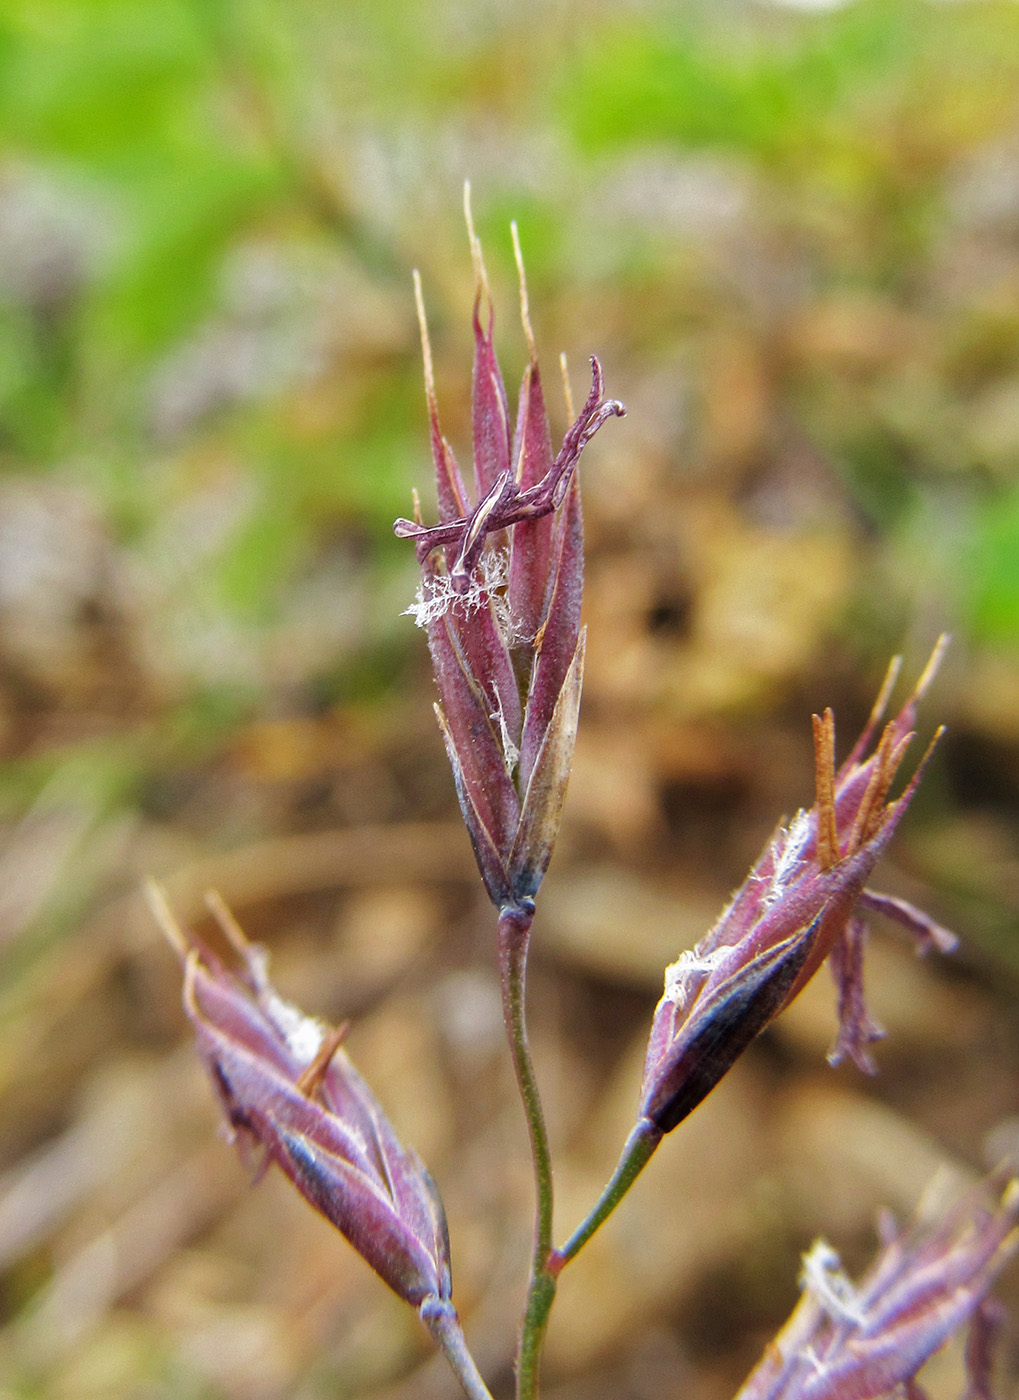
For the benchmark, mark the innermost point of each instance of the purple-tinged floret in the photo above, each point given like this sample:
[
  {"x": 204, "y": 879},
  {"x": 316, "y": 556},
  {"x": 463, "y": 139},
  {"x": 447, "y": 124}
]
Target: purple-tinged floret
[
  {"x": 291, "y": 1097},
  {"x": 500, "y": 597},
  {"x": 858, "y": 1342},
  {"x": 803, "y": 902}
]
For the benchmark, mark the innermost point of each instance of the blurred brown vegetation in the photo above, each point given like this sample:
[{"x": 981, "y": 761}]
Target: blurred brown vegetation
[{"x": 793, "y": 239}]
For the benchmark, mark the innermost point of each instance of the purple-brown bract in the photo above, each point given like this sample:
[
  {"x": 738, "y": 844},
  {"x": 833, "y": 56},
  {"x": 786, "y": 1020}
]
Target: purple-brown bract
[
  {"x": 857, "y": 1343},
  {"x": 500, "y": 598},
  {"x": 802, "y": 902},
  {"x": 291, "y": 1093}
]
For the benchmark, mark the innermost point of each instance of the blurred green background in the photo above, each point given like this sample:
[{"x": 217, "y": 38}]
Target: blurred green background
[{"x": 792, "y": 236}]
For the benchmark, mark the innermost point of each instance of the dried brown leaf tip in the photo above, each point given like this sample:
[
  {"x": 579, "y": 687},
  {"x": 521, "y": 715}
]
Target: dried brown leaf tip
[
  {"x": 500, "y": 595},
  {"x": 806, "y": 900},
  {"x": 291, "y": 1097}
]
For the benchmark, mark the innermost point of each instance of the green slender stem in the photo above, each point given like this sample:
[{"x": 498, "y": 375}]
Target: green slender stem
[
  {"x": 514, "y": 938},
  {"x": 441, "y": 1320},
  {"x": 540, "y": 1297},
  {"x": 637, "y": 1152}
]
